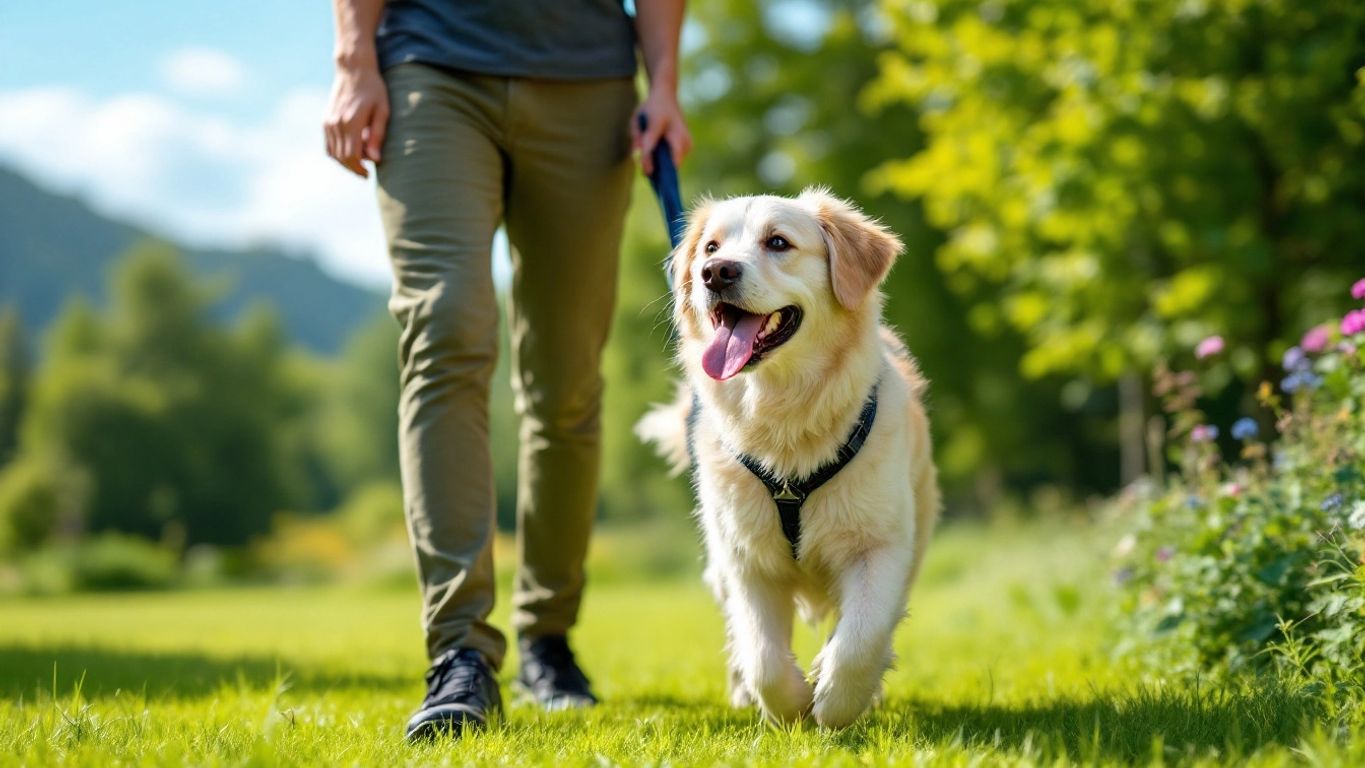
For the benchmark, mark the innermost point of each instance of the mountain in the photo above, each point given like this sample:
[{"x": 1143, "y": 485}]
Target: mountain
[{"x": 53, "y": 247}]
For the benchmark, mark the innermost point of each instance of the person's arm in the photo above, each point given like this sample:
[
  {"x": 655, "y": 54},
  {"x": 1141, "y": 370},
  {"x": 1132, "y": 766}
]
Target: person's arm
[
  {"x": 359, "y": 110},
  {"x": 658, "y": 24}
]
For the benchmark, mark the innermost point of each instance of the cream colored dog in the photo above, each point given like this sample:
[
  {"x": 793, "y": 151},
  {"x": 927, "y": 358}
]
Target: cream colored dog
[{"x": 778, "y": 313}]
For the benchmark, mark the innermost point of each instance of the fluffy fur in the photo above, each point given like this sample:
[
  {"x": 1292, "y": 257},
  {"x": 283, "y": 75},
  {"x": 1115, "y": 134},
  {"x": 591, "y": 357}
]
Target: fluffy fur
[{"x": 864, "y": 533}]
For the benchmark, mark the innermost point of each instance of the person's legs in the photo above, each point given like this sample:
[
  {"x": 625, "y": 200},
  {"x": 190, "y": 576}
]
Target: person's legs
[
  {"x": 441, "y": 192},
  {"x": 570, "y": 182}
]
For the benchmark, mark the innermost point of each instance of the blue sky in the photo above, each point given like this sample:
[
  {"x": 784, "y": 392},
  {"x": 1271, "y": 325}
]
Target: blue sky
[
  {"x": 198, "y": 119},
  {"x": 109, "y": 48}
]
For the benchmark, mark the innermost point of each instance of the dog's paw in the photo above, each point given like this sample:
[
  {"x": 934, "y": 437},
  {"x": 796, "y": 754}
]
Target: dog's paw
[
  {"x": 837, "y": 709},
  {"x": 740, "y": 695},
  {"x": 788, "y": 699},
  {"x": 842, "y": 698}
]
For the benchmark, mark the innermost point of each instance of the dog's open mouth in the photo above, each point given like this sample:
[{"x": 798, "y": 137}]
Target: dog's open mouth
[{"x": 743, "y": 337}]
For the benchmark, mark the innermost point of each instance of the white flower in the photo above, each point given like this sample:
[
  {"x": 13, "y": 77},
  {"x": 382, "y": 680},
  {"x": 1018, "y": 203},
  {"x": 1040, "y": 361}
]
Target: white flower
[
  {"x": 1125, "y": 546},
  {"x": 1357, "y": 517}
]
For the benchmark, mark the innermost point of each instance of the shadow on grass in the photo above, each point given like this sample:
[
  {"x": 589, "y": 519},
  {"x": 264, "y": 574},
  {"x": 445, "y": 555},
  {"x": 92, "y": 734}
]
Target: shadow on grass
[
  {"x": 1132, "y": 726},
  {"x": 27, "y": 671}
]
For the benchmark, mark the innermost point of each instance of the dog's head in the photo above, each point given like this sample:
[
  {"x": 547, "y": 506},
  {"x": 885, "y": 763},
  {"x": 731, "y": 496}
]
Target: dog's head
[{"x": 759, "y": 278}]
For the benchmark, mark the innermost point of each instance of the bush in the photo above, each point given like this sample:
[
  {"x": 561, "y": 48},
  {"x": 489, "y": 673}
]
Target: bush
[
  {"x": 104, "y": 563},
  {"x": 1253, "y": 563},
  {"x": 373, "y": 515},
  {"x": 113, "y": 561},
  {"x": 36, "y": 500}
]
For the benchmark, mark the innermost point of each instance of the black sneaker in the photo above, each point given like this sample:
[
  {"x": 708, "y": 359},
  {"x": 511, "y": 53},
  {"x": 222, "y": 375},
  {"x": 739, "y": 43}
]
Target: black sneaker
[
  {"x": 462, "y": 693},
  {"x": 550, "y": 676}
]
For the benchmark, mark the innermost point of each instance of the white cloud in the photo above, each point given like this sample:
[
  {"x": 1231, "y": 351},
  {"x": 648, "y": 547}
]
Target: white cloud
[
  {"x": 197, "y": 176},
  {"x": 202, "y": 72}
]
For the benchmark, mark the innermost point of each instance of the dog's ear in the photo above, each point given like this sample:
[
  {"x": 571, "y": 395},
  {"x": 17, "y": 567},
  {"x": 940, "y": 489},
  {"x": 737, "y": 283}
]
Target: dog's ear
[
  {"x": 680, "y": 260},
  {"x": 861, "y": 250}
]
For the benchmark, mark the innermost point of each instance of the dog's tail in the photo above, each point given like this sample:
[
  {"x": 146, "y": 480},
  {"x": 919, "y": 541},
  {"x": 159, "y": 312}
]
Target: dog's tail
[{"x": 665, "y": 425}]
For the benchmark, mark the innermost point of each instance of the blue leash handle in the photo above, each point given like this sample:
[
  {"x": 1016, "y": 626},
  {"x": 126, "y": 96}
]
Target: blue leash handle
[{"x": 664, "y": 180}]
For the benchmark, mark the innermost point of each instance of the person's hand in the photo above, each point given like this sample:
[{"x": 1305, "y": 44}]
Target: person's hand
[
  {"x": 665, "y": 120},
  {"x": 357, "y": 117}
]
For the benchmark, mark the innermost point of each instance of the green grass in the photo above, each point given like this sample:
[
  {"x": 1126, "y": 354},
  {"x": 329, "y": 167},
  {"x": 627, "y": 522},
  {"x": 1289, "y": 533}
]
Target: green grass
[{"x": 1004, "y": 660}]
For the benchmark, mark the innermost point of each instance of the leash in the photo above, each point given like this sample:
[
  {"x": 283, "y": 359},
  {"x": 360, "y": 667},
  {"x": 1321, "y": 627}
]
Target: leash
[{"x": 664, "y": 180}]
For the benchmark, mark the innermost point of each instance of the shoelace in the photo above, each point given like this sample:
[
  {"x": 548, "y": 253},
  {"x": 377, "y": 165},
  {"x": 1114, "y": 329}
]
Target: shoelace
[{"x": 450, "y": 679}]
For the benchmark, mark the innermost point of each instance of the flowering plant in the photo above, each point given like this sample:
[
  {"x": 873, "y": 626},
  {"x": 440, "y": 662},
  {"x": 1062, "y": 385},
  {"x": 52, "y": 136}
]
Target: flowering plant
[{"x": 1252, "y": 560}]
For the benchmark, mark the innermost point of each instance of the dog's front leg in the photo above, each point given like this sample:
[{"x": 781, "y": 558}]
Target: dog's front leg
[
  {"x": 848, "y": 670},
  {"x": 760, "y": 616}
]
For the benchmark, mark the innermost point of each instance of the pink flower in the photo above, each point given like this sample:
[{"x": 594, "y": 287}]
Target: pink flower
[
  {"x": 1315, "y": 340},
  {"x": 1358, "y": 290},
  {"x": 1232, "y": 489},
  {"x": 1204, "y": 433},
  {"x": 1209, "y": 347},
  {"x": 1353, "y": 322}
]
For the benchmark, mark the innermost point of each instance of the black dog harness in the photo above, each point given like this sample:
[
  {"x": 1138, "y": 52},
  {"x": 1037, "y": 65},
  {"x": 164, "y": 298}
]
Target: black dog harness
[{"x": 790, "y": 494}]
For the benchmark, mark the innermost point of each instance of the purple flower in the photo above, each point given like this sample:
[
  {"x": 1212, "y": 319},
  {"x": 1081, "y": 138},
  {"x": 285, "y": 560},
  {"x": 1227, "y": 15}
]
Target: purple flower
[
  {"x": 1316, "y": 339},
  {"x": 1294, "y": 359},
  {"x": 1353, "y": 322},
  {"x": 1245, "y": 428},
  {"x": 1164, "y": 554},
  {"x": 1123, "y": 576},
  {"x": 1300, "y": 380},
  {"x": 1358, "y": 290},
  {"x": 1333, "y": 502},
  {"x": 1204, "y": 433},
  {"x": 1209, "y": 347}
]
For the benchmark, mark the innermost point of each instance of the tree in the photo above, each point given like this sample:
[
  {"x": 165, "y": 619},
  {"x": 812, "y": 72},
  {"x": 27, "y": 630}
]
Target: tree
[
  {"x": 14, "y": 379},
  {"x": 1133, "y": 176},
  {"x": 174, "y": 423},
  {"x": 774, "y": 92},
  {"x": 358, "y": 426}
]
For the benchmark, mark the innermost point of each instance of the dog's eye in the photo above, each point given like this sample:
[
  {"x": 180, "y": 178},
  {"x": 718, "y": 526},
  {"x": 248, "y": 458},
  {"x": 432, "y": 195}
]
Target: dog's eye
[
  {"x": 777, "y": 243},
  {"x": 712, "y": 247}
]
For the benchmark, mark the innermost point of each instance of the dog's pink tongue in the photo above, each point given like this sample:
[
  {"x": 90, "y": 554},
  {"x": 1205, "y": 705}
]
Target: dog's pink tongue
[{"x": 732, "y": 346}]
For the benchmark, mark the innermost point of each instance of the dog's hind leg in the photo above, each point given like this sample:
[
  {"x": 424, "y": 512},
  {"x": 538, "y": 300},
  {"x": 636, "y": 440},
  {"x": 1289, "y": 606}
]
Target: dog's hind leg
[{"x": 848, "y": 670}]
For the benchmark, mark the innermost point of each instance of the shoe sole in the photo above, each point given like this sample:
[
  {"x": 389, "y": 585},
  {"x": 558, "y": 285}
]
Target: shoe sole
[
  {"x": 446, "y": 719},
  {"x": 524, "y": 696}
]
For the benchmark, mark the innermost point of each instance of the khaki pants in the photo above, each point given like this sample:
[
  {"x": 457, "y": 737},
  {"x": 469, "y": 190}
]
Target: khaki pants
[{"x": 551, "y": 160}]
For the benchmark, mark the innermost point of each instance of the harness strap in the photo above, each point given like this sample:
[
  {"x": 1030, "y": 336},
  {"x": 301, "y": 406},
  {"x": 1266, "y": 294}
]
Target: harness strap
[{"x": 789, "y": 495}]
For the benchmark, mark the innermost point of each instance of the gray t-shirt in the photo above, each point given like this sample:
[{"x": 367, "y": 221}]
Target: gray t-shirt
[{"x": 555, "y": 39}]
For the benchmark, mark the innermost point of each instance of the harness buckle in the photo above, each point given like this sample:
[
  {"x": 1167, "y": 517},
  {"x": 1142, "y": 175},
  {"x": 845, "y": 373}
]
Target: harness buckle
[{"x": 787, "y": 493}]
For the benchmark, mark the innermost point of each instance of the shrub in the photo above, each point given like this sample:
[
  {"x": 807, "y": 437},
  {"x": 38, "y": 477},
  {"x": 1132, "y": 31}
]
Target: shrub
[
  {"x": 114, "y": 561},
  {"x": 1253, "y": 562},
  {"x": 37, "y": 500},
  {"x": 105, "y": 562}
]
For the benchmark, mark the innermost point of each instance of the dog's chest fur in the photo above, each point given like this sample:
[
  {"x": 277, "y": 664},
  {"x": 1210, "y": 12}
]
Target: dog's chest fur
[{"x": 867, "y": 504}]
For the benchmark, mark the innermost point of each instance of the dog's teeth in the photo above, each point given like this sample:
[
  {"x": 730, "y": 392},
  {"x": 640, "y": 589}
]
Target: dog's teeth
[{"x": 774, "y": 320}]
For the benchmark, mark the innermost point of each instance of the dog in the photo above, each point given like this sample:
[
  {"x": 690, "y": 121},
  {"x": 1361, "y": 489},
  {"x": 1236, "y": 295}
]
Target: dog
[{"x": 777, "y": 308}]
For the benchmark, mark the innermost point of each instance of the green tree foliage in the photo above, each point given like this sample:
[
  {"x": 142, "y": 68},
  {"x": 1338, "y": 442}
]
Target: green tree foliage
[
  {"x": 357, "y": 421},
  {"x": 176, "y": 424},
  {"x": 14, "y": 375},
  {"x": 35, "y": 501},
  {"x": 638, "y": 370},
  {"x": 774, "y": 94},
  {"x": 1114, "y": 167}
]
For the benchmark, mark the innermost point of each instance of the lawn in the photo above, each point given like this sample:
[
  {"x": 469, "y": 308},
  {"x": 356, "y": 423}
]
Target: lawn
[{"x": 1005, "y": 659}]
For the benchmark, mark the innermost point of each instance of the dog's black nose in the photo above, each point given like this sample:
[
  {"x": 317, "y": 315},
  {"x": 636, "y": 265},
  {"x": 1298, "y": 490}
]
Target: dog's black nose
[{"x": 719, "y": 274}]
